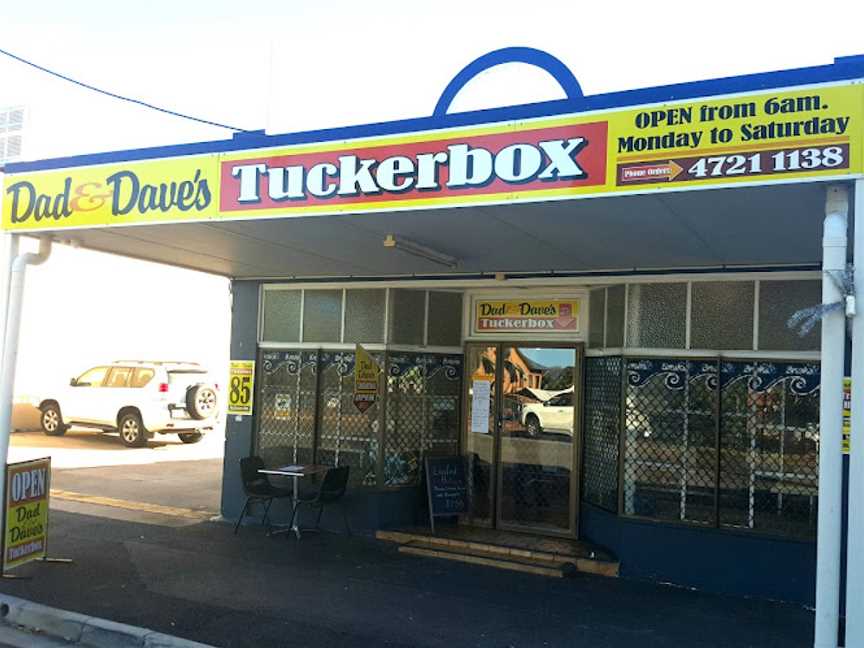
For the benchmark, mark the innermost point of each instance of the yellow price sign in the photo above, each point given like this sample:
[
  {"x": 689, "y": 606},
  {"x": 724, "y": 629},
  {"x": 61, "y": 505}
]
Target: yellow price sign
[
  {"x": 241, "y": 387},
  {"x": 847, "y": 414}
]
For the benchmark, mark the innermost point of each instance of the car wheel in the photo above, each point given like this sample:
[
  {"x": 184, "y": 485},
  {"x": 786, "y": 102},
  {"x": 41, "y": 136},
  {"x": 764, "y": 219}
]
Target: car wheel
[
  {"x": 532, "y": 426},
  {"x": 52, "y": 421},
  {"x": 131, "y": 429},
  {"x": 201, "y": 401},
  {"x": 190, "y": 437}
]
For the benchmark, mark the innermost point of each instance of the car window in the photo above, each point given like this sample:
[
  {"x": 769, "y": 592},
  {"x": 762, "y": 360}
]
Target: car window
[
  {"x": 119, "y": 377},
  {"x": 142, "y": 376},
  {"x": 92, "y": 377},
  {"x": 563, "y": 400}
]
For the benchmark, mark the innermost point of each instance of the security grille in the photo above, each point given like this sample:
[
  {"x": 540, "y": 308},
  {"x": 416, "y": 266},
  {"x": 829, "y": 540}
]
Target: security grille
[
  {"x": 346, "y": 437},
  {"x": 286, "y": 406},
  {"x": 602, "y": 431},
  {"x": 423, "y": 395},
  {"x": 11, "y": 129},
  {"x": 306, "y": 413},
  {"x": 769, "y": 446},
  {"x": 670, "y": 440}
]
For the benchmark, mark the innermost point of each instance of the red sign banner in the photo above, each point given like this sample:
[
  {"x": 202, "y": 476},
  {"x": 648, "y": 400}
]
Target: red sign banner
[{"x": 501, "y": 163}]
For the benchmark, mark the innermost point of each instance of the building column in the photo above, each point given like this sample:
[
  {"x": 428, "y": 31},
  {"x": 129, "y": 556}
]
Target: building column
[
  {"x": 855, "y": 544},
  {"x": 833, "y": 350}
]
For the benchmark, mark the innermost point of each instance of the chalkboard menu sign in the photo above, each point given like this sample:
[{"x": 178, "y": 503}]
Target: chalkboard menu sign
[{"x": 446, "y": 486}]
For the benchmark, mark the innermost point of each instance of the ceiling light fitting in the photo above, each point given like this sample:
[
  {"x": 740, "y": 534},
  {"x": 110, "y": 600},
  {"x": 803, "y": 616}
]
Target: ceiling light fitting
[{"x": 418, "y": 250}]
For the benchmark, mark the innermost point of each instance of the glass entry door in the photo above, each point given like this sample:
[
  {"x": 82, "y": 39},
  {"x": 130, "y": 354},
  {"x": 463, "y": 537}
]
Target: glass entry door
[{"x": 522, "y": 436}]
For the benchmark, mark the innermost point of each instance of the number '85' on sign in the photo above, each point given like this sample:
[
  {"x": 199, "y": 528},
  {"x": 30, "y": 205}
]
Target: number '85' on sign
[{"x": 241, "y": 387}]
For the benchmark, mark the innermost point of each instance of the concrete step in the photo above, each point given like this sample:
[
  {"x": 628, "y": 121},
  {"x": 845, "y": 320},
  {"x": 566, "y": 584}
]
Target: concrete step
[
  {"x": 537, "y": 566},
  {"x": 525, "y": 557}
]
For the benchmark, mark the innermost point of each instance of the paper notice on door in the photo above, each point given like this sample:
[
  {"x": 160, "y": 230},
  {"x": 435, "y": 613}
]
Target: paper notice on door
[{"x": 481, "y": 391}]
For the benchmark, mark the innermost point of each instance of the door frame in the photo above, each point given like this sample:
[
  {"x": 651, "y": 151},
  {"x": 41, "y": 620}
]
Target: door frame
[{"x": 496, "y": 477}]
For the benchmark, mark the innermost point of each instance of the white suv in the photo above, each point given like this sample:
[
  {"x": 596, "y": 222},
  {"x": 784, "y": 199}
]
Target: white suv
[
  {"x": 136, "y": 398},
  {"x": 553, "y": 415}
]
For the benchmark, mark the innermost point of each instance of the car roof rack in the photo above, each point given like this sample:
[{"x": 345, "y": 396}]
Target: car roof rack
[{"x": 157, "y": 362}]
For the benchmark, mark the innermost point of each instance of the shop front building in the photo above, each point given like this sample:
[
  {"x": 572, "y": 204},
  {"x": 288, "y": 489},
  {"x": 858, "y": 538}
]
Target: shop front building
[
  {"x": 600, "y": 303},
  {"x": 667, "y": 418}
]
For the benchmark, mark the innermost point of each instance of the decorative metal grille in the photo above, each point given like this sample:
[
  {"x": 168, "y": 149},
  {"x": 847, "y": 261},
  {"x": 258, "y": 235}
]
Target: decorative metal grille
[
  {"x": 602, "y": 431},
  {"x": 769, "y": 446},
  {"x": 423, "y": 396},
  {"x": 670, "y": 456},
  {"x": 307, "y": 418},
  {"x": 286, "y": 406},
  {"x": 346, "y": 437},
  {"x": 722, "y": 443}
]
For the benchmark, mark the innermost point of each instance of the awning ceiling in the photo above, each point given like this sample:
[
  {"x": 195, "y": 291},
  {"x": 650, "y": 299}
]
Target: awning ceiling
[{"x": 756, "y": 226}]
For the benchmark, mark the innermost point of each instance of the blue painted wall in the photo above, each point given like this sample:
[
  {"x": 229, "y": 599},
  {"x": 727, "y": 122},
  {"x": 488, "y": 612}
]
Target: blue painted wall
[
  {"x": 722, "y": 561},
  {"x": 238, "y": 433}
]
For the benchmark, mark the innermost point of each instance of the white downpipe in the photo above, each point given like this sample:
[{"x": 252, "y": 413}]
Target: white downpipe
[
  {"x": 828, "y": 540},
  {"x": 855, "y": 544},
  {"x": 17, "y": 273},
  {"x": 8, "y": 252}
]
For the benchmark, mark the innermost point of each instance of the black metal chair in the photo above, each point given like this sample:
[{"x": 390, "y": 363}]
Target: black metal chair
[
  {"x": 332, "y": 489},
  {"x": 258, "y": 489}
]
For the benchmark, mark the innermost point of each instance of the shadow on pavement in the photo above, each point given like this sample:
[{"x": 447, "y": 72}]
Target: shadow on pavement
[{"x": 204, "y": 583}]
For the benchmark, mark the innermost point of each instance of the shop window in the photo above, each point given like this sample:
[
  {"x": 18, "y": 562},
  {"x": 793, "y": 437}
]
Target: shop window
[
  {"x": 670, "y": 458},
  {"x": 285, "y": 401},
  {"x": 721, "y": 443},
  {"x": 364, "y": 315},
  {"x": 615, "y": 316},
  {"x": 346, "y": 436},
  {"x": 596, "y": 318},
  {"x": 657, "y": 315},
  {"x": 322, "y": 315},
  {"x": 423, "y": 397},
  {"x": 769, "y": 446},
  {"x": 407, "y": 316},
  {"x": 778, "y": 301},
  {"x": 306, "y": 413},
  {"x": 602, "y": 431},
  {"x": 281, "y": 315},
  {"x": 445, "y": 319},
  {"x": 722, "y": 315}
]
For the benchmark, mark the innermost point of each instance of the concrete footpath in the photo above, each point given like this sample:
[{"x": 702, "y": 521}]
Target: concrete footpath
[
  {"x": 200, "y": 582},
  {"x": 25, "y": 623}
]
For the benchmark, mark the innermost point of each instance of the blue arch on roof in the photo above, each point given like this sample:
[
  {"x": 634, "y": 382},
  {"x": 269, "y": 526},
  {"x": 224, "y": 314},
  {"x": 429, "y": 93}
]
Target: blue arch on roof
[
  {"x": 538, "y": 58},
  {"x": 842, "y": 69}
]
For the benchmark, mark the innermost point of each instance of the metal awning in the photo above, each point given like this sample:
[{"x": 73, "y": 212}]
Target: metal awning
[{"x": 754, "y": 226}]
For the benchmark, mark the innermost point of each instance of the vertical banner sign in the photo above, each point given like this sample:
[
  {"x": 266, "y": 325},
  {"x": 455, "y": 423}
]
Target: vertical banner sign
[
  {"x": 847, "y": 414},
  {"x": 366, "y": 372},
  {"x": 241, "y": 387},
  {"x": 25, "y": 534}
]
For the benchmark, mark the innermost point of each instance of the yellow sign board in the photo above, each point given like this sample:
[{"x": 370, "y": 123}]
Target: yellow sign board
[
  {"x": 241, "y": 387},
  {"x": 25, "y": 534},
  {"x": 366, "y": 372},
  {"x": 847, "y": 415},
  {"x": 528, "y": 316},
  {"x": 814, "y": 133}
]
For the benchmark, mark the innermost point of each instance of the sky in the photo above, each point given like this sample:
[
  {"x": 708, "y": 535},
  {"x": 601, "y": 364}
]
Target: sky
[{"x": 298, "y": 65}]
